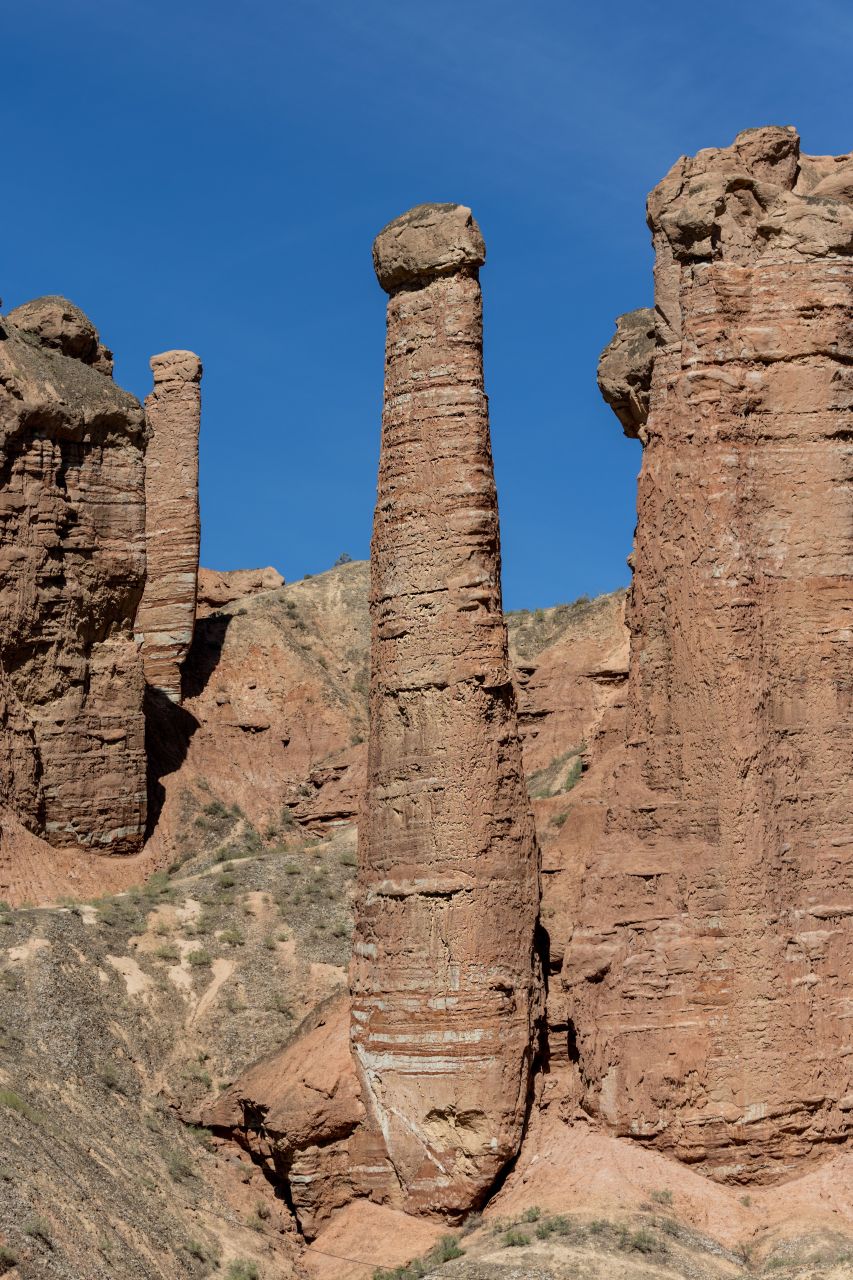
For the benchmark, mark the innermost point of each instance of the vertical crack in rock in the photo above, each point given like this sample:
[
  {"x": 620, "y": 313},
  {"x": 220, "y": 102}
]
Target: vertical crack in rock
[
  {"x": 72, "y": 565},
  {"x": 167, "y": 613},
  {"x": 708, "y": 971},
  {"x": 446, "y": 983}
]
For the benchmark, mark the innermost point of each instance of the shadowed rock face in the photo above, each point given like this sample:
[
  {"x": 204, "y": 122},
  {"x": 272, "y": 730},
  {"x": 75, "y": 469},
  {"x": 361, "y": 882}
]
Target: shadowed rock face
[
  {"x": 709, "y": 967},
  {"x": 72, "y": 565},
  {"x": 445, "y": 981},
  {"x": 167, "y": 612}
]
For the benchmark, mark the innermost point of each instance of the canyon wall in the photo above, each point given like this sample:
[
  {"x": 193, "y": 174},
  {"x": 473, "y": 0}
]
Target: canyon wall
[
  {"x": 445, "y": 985},
  {"x": 166, "y": 615},
  {"x": 72, "y": 566},
  {"x": 705, "y": 980}
]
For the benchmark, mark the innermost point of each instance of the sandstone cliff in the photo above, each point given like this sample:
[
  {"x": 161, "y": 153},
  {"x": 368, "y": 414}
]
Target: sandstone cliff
[
  {"x": 72, "y": 565},
  {"x": 709, "y": 898}
]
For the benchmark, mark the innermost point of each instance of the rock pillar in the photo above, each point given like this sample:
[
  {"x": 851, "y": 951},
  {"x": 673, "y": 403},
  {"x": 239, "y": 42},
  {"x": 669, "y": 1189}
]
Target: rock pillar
[
  {"x": 167, "y": 613},
  {"x": 72, "y": 565},
  {"x": 446, "y": 985},
  {"x": 714, "y": 936}
]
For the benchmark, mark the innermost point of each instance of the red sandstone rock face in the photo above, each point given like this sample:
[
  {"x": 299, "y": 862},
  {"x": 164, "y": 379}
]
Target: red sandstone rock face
[
  {"x": 707, "y": 971},
  {"x": 72, "y": 563},
  {"x": 445, "y": 984},
  {"x": 167, "y": 613}
]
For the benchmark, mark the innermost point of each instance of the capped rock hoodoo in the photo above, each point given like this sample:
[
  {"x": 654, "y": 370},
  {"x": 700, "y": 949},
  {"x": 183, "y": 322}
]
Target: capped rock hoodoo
[
  {"x": 707, "y": 972},
  {"x": 166, "y": 616},
  {"x": 446, "y": 990},
  {"x": 72, "y": 567}
]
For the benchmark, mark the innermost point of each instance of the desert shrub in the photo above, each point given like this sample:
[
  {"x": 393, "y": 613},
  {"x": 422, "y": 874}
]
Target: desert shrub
[
  {"x": 242, "y": 1269},
  {"x": 533, "y": 1214},
  {"x": 38, "y": 1229},
  {"x": 168, "y": 951},
  {"x": 8, "y": 1259},
  {"x": 661, "y": 1197},
  {"x": 514, "y": 1239},
  {"x": 199, "y": 958},
  {"x": 179, "y": 1166},
  {"x": 110, "y": 1077},
  {"x": 232, "y": 936},
  {"x": 445, "y": 1251},
  {"x": 14, "y": 1102}
]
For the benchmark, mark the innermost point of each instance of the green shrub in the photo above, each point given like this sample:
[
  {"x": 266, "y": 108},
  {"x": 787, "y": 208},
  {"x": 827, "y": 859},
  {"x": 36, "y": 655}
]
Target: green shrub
[
  {"x": 533, "y": 1214},
  {"x": 38, "y": 1229},
  {"x": 241, "y": 1269},
  {"x": 14, "y": 1102},
  {"x": 8, "y": 1259},
  {"x": 179, "y": 1166},
  {"x": 199, "y": 958},
  {"x": 168, "y": 951},
  {"x": 514, "y": 1239},
  {"x": 661, "y": 1197},
  {"x": 232, "y": 936}
]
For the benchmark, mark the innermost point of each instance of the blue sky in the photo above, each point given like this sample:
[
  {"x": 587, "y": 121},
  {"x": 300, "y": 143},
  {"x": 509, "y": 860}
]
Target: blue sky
[{"x": 211, "y": 175}]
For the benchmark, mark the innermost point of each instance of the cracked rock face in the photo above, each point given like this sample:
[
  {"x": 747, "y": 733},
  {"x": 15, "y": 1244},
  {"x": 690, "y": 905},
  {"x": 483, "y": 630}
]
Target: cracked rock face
[
  {"x": 72, "y": 565},
  {"x": 708, "y": 975},
  {"x": 167, "y": 613},
  {"x": 445, "y": 981}
]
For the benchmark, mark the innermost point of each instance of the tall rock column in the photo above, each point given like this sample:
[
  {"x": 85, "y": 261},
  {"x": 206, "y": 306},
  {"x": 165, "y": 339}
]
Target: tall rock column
[
  {"x": 710, "y": 964},
  {"x": 72, "y": 565},
  {"x": 167, "y": 613},
  {"x": 446, "y": 985}
]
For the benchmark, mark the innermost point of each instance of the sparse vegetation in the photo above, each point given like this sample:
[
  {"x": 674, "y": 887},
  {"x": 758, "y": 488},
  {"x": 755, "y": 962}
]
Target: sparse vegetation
[
  {"x": 445, "y": 1251},
  {"x": 8, "y": 1259},
  {"x": 179, "y": 1166},
  {"x": 242, "y": 1269},
  {"x": 199, "y": 958},
  {"x": 38, "y": 1229}
]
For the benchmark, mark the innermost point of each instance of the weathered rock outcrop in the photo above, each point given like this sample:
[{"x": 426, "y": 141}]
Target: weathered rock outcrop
[
  {"x": 707, "y": 975},
  {"x": 445, "y": 982},
  {"x": 72, "y": 565},
  {"x": 167, "y": 613},
  {"x": 218, "y": 587},
  {"x": 625, "y": 370}
]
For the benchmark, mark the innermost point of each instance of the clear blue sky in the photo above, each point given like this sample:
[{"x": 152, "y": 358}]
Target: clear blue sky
[{"x": 211, "y": 175}]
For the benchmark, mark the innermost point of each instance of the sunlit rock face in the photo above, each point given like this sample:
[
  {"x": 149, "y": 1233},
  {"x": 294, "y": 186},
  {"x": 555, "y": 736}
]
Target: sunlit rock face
[
  {"x": 708, "y": 974},
  {"x": 446, "y": 984},
  {"x": 167, "y": 612},
  {"x": 72, "y": 567}
]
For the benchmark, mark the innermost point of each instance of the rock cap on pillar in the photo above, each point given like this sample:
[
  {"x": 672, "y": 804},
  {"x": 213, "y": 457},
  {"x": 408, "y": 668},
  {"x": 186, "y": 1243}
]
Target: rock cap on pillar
[
  {"x": 176, "y": 366},
  {"x": 429, "y": 240}
]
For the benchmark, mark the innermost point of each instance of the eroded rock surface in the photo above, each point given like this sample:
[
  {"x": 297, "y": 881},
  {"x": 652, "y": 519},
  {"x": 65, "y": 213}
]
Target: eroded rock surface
[
  {"x": 218, "y": 587},
  {"x": 167, "y": 612},
  {"x": 72, "y": 565},
  {"x": 445, "y": 980},
  {"x": 625, "y": 369},
  {"x": 707, "y": 970}
]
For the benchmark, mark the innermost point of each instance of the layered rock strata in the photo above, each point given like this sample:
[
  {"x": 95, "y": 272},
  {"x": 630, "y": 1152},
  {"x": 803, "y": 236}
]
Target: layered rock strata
[
  {"x": 445, "y": 984},
  {"x": 707, "y": 977},
  {"x": 172, "y": 530},
  {"x": 72, "y": 566}
]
